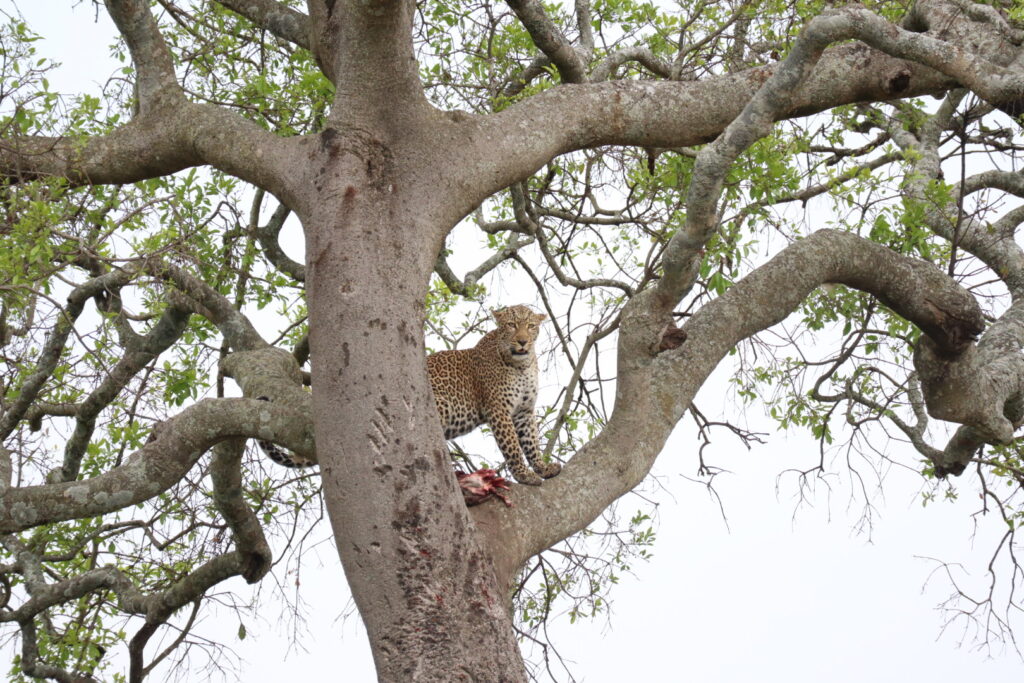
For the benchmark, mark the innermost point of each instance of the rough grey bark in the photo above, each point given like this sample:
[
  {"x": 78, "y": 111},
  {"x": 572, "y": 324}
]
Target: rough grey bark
[{"x": 430, "y": 577}]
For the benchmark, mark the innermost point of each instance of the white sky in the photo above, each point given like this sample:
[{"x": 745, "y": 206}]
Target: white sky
[{"x": 777, "y": 597}]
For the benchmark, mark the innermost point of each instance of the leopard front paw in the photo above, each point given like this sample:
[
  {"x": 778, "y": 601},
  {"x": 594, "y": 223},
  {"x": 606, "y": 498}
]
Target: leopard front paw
[
  {"x": 549, "y": 469},
  {"x": 525, "y": 476}
]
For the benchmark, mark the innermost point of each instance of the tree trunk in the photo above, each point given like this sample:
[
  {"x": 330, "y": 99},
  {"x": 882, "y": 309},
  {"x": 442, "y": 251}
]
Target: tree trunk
[{"x": 421, "y": 578}]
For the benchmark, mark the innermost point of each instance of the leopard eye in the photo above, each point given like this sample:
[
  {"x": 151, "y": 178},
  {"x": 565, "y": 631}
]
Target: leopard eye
[
  {"x": 532, "y": 326},
  {"x": 511, "y": 326}
]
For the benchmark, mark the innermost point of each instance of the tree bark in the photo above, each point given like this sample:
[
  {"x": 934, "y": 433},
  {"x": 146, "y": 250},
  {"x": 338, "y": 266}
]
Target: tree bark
[
  {"x": 422, "y": 579},
  {"x": 377, "y": 191}
]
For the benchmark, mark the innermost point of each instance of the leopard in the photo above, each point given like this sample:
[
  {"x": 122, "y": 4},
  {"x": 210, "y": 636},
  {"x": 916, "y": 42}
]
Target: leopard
[
  {"x": 494, "y": 382},
  {"x": 281, "y": 456}
]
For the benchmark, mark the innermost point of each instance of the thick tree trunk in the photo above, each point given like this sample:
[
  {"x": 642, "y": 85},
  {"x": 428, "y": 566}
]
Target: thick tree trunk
[{"x": 420, "y": 576}]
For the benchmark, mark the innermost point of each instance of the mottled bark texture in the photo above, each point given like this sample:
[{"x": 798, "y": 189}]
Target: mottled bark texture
[{"x": 430, "y": 577}]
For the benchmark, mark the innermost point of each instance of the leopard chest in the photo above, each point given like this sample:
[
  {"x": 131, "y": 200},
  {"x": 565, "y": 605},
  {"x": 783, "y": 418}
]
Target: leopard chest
[{"x": 509, "y": 388}]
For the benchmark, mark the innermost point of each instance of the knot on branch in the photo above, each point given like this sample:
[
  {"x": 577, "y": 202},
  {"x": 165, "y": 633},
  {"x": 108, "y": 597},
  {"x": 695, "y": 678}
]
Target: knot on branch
[
  {"x": 671, "y": 337},
  {"x": 896, "y": 82},
  {"x": 269, "y": 372}
]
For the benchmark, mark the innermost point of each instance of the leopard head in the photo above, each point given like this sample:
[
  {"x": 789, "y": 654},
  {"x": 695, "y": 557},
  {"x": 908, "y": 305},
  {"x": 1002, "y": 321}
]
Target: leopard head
[{"x": 517, "y": 331}]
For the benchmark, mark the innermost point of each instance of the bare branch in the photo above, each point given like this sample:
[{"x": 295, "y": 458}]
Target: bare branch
[
  {"x": 138, "y": 354},
  {"x": 530, "y": 226},
  {"x": 268, "y": 234},
  {"x": 54, "y": 345},
  {"x": 225, "y": 471},
  {"x": 211, "y": 304},
  {"x": 635, "y": 53}
]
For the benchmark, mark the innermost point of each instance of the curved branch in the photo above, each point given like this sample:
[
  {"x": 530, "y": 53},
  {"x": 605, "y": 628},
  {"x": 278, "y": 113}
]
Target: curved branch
[
  {"x": 267, "y": 235},
  {"x": 673, "y": 114},
  {"x": 653, "y": 392},
  {"x": 663, "y": 114},
  {"x": 267, "y": 372},
  {"x": 53, "y": 347},
  {"x": 1011, "y": 182},
  {"x": 130, "y": 598},
  {"x": 530, "y": 226},
  {"x": 137, "y": 668},
  {"x": 226, "y": 474},
  {"x": 176, "y": 445},
  {"x": 1007, "y": 225},
  {"x": 33, "y": 666},
  {"x": 550, "y": 40},
  {"x": 981, "y": 389},
  {"x": 636, "y": 53},
  {"x": 138, "y": 354},
  {"x": 169, "y": 134},
  {"x": 284, "y": 22},
  {"x": 156, "y": 607},
  {"x": 464, "y": 287},
  {"x": 977, "y": 57},
  {"x": 238, "y": 332},
  {"x": 154, "y": 145},
  {"x": 684, "y": 251},
  {"x": 518, "y": 81},
  {"x": 156, "y": 82}
]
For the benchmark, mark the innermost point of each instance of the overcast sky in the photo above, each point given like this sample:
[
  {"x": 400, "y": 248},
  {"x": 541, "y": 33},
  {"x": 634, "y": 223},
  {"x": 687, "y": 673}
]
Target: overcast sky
[{"x": 776, "y": 596}]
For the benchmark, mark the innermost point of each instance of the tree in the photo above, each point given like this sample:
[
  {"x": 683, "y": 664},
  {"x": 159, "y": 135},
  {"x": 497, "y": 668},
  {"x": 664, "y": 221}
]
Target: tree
[{"x": 632, "y": 160}]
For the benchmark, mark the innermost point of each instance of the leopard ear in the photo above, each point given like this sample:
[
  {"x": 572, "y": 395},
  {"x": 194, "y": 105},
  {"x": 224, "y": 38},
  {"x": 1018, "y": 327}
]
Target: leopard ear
[
  {"x": 540, "y": 317},
  {"x": 497, "y": 314}
]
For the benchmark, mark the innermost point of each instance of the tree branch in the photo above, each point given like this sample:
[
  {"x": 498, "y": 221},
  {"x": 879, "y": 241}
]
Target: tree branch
[
  {"x": 282, "y": 21},
  {"x": 653, "y": 392},
  {"x": 982, "y": 389},
  {"x": 137, "y": 355},
  {"x": 664, "y": 114},
  {"x": 673, "y": 114},
  {"x": 635, "y": 53},
  {"x": 226, "y": 474},
  {"x": 267, "y": 235},
  {"x": 169, "y": 134},
  {"x": 176, "y": 445},
  {"x": 238, "y": 332},
  {"x": 157, "y": 85},
  {"x": 549, "y": 40},
  {"x": 33, "y": 666},
  {"x": 53, "y": 347},
  {"x": 769, "y": 104}
]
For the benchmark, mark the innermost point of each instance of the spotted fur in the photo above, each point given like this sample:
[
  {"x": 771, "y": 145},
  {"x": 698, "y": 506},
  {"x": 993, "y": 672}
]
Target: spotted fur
[
  {"x": 280, "y": 455},
  {"x": 495, "y": 382}
]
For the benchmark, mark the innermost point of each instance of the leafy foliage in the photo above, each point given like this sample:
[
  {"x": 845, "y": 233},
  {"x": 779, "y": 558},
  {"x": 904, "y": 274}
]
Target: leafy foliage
[{"x": 579, "y": 238}]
